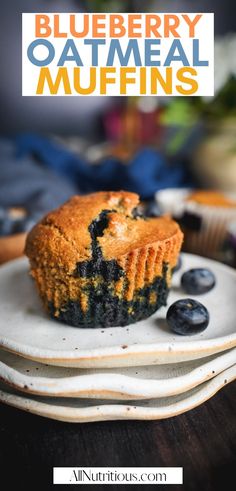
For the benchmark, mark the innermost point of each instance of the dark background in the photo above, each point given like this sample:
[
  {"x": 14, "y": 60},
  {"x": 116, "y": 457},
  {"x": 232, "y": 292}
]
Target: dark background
[{"x": 202, "y": 441}]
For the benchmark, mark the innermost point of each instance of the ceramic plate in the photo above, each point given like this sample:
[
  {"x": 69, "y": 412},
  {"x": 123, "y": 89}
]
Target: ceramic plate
[
  {"x": 84, "y": 410},
  {"x": 117, "y": 383},
  {"x": 25, "y": 328}
]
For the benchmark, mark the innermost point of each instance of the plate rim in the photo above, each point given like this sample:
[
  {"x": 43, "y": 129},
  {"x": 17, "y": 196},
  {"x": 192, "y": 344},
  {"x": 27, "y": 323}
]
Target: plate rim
[
  {"x": 96, "y": 357},
  {"x": 116, "y": 386},
  {"x": 110, "y": 412}
]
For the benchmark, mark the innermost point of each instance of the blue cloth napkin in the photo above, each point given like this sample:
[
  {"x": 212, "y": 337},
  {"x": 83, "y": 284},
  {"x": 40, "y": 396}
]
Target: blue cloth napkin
[
  {"x": 145, "y": 174},
  {"x": 40, "y": 174}
]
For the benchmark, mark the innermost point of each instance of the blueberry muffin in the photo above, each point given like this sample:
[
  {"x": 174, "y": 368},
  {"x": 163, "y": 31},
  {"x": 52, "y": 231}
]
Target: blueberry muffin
[
  {"x": 96, "y": 262},
  {"x": 207, "y": 216},
  {"x": 212, "y": 198}
]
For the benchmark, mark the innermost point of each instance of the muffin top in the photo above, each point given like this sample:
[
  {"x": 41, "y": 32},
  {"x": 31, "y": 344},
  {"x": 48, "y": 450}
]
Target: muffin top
[
  {"x": 65, "y": 236},
  {"x": 211, "y": 198}
]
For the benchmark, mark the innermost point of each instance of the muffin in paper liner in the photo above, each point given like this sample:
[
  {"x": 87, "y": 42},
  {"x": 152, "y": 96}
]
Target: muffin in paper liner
[
  {"x": 97, "y": 264},
  {"x": 209, "y": 239},
  {"x": 203, "y": 216},
  {"x": 229, "y": 247},
  {"x": 212, "y": 212}
]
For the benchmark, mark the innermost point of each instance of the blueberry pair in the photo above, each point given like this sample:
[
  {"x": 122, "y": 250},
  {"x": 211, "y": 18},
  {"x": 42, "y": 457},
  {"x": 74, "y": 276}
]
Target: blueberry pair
[{"x": 188, "y": 316}]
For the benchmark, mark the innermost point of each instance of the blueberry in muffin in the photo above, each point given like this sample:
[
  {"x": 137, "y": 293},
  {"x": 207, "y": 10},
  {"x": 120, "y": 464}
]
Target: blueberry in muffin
[{"x": 96, "y": 262}]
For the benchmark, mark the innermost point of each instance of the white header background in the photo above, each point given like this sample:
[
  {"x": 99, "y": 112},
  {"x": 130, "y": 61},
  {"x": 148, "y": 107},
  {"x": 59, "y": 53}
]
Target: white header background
[{"x": 204, "y": 31}]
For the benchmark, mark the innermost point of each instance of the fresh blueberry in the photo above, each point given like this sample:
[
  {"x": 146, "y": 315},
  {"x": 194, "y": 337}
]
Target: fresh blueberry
[
  {"x": 178, "y": 265},
  {"x": 197, "y": 281},
  {"x": 187, "y": 317}
]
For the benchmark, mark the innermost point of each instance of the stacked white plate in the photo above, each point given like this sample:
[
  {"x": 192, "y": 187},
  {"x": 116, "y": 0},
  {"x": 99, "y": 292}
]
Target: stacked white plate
[{"x": 142, "y": 371}]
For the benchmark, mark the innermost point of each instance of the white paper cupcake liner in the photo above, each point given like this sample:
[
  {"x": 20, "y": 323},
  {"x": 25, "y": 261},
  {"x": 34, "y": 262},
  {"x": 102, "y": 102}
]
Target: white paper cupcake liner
[{"x": 209, "y": 239}]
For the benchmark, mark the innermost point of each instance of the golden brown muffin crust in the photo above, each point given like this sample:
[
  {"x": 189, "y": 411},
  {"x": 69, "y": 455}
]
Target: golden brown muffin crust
[
  {"x": 211, "y": 198},
  {"x": 63, "y": 239}
]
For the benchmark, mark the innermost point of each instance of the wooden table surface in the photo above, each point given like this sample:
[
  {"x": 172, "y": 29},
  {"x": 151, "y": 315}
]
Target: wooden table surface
[{"x": 202, "y": 441}]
